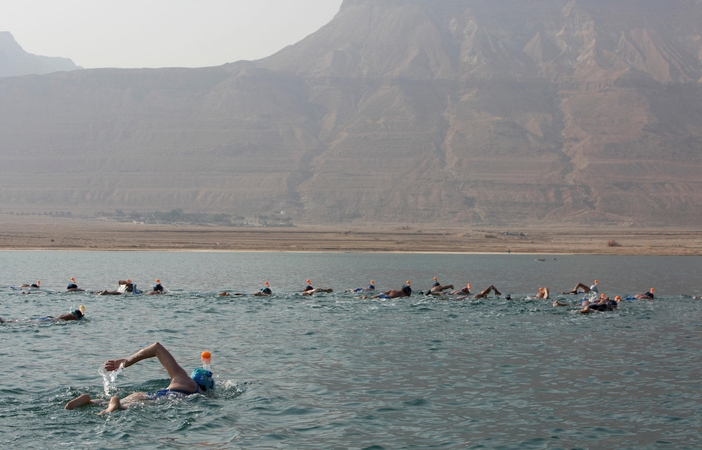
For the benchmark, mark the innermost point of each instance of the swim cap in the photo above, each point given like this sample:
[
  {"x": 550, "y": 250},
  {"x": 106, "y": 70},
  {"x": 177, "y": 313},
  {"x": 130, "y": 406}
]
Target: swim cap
[
  {"x": 468, "y": 285},
  {"x": 203, "y": 378},
  {"x": 652, "y": 289},
  {"x": 128, "y": 280},
  {"x": 434, "y": 278},
  {"x": 408, "y": 282},
  {"x": 73, "y": 279},
  {"x": 308, "y": 281},
  {"x": 157, "y": 280},
  {"x": 541, "y": 289},
  {"x": 372, "y": 282},
  {"x": 617, "y": 298},
  {"x": 596, "y": 282},
  {"x": 266, "y": 283},
  {"x": 38, "y": 282}
]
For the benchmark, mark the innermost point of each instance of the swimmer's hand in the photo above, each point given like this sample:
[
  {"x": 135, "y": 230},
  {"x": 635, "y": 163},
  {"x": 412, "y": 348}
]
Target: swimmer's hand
[{"x": 114, "y": 364}]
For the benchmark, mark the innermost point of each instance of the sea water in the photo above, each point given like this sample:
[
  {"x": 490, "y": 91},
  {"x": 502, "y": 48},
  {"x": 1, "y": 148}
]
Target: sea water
[{"x": 339, "y": 371}]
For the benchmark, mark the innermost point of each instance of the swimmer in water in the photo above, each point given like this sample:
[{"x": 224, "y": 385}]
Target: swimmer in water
[
  {"x": 72, "y": 286},
  {"x": 582, "y": 289},
  {"x": 123, "y": 285},
  {"x": 486, "y": 292},
  {"x": 265, "y": 291},
  {"x": 646, "y": 295},
  {"x": 36, "y": 285},
  {"x": 543, "y": 293},
  {"x": 603, "y": 304},
  {"x": 76, "y": 314},
  {"x": 157, "y": 289},
  {"x": 309, "y": 290},
  {"x": 406, "y": 291},
  {"x": 371, "y": 287},
  {"x": 438, "y": 289},
  {"x": 224, "y": 294},
  {"x": 463, "y": 293},
  {"x": 181, "y": 385}
]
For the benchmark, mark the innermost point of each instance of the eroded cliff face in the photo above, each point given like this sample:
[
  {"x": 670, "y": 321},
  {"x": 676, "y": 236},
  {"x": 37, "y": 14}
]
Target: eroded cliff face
[{"x": 471, "y": 111}]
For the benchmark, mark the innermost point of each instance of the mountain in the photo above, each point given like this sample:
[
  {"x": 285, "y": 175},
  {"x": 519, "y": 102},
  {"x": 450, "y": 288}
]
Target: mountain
[
  {"x": 15, "y": 61},
  {"x": 397, "y": 111}
]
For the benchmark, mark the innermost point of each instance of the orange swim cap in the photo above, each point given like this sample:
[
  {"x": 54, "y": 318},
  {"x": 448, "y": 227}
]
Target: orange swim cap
[
  {"x": 652, "y": 289},
  {"x": 128, "y": 280},
  {"x": 372, "y": 282},
  {"x": 157, "y": 280},
  {"x": 434, "y": 278},
  {"x": 38, "y": 282},
  {"x": 206, "y": 355},
  {"x": 468, "y": 284},
  {"x": 308, "y": 281},
  {"x": 408, "y": 282},
  {"x": 266, "y": 283},
  {"x": 73, "y": 279},
  {"x": 617, "y": 298},
  {"x": 596, "y": 282}
]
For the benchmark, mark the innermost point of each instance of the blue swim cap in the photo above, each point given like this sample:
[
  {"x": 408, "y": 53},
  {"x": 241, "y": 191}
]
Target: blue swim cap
[{"x": 203, "y": 378}]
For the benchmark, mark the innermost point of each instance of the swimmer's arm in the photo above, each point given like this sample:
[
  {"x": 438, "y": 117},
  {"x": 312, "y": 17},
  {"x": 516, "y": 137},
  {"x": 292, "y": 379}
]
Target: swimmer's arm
[{"x": 145, "y": 353}]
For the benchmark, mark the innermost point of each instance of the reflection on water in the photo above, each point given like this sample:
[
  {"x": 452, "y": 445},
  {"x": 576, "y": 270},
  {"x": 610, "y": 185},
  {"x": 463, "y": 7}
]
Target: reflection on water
[{"x": 338, "y": 371}]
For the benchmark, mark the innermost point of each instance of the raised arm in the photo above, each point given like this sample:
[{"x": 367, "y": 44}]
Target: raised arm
[{"x": 159, "y": 351}]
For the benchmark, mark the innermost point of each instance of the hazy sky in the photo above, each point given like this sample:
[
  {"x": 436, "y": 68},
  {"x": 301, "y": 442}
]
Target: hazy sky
[{"x": 161, "y": 33}]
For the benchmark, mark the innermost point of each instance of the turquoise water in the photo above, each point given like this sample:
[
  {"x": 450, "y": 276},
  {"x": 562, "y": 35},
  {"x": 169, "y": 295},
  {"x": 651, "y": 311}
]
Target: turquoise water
[{"x": 336, "y": 371}]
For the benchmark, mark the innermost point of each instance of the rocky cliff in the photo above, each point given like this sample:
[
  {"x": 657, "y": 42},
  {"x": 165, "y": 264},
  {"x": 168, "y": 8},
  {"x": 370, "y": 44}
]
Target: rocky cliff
[
  {"x": 15, "y": 61},
  {"x": 470, "y": 111}
]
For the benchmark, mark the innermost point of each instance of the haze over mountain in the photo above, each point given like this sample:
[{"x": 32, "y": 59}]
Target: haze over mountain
[
  {"x": 458, "y": 111},
  {"x": 15, "y": 61}
]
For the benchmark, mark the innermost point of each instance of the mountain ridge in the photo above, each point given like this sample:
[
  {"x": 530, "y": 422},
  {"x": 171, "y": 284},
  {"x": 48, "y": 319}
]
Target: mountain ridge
[
  {"x": 14, "y": 61},
  {"x": 470, "y": 112}
]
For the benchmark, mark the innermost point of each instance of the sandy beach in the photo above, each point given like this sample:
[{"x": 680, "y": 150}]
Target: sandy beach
[{"x": 45, "y": 233}]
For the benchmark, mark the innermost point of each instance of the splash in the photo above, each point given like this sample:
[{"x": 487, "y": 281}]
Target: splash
[{"x": 109, "y": 378}]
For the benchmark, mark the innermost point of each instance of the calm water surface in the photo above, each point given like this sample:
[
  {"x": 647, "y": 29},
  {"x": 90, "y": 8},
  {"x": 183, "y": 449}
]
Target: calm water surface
[{"x": 337, "y": 371}]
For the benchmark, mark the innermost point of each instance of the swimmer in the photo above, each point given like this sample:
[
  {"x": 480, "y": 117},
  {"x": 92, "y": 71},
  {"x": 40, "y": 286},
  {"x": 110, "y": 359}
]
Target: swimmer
[
  {"x": 543, "y": 293},
  {"x": 76, "y": 314},
  {"x": 437, "y": 288},
  {"x": 646, "y": 295},
  {"x": 157, "y": 289},
  {"x": 582, "y": 289},
  {"x": 603, "y": 304},
  {"x": 224, "y": 294},
  {"x": 36, "y": 285},
  {"x": 123, "y": 284},
  {"x": 309, "y": 290},
  {"x": 72, "y": 286},
  {"x": 181, "y": 385},
  {"x": 265, "y": 291},
  {"x": 559, "y": 303},
  {"x": 406, "y": 291},
  {"x": 486, "y": 292},
  {"x": 464, "y": 292},
  {"x": 371, "y": 287}
]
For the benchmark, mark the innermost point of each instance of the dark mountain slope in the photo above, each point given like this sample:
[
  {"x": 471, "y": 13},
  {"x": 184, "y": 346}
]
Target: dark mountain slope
[{"x": 543, "y": 111}]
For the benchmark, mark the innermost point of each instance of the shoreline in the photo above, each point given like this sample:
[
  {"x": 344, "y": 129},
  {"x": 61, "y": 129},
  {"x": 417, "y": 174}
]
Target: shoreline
[{"x": 42, "y": 234}]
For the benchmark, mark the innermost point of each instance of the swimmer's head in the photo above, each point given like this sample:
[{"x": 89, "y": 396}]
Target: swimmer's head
[
  {"x": 408, "y": 282},
  {"x": 77, "y": 313},
  {"x": 157, "y": 280},
  {"x": 38, "y": 283},
  {"x": 541, "y": 289},
  {"x": 129, "y": 280},
  {"x": 266, "y": 283},
  {"x": 73, "y": 279},
  {"x": 308, "y": 281},
  {"x": 596, "y": 282},
  {"x": 435, "y": 278},
  {"x": 618, "y": 298},
  {"x": 372, "y": 282},
  {"x": 652, "y": 289},
  {"x": 203, "y": 378},
  {"x": 468, "y": 286}
]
